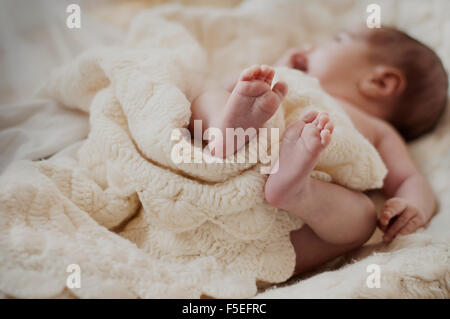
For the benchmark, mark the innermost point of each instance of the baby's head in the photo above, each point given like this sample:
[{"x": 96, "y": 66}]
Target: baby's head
[{"x": 386, "y": 73}]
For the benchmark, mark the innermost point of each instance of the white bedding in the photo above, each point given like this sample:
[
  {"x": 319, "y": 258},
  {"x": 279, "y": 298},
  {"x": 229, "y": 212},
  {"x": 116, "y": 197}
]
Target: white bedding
[
  {"x": 34, "y": 40},
  {"x": 33, "y": 129}
]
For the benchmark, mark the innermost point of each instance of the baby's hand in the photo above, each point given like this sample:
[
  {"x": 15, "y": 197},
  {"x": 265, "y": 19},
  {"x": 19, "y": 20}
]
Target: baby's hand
[{"x": 400, "y": 217}]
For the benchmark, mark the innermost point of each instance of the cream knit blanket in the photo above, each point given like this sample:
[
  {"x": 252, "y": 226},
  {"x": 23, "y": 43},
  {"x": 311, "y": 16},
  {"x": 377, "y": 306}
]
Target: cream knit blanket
[{"x": 136, "y": 223}]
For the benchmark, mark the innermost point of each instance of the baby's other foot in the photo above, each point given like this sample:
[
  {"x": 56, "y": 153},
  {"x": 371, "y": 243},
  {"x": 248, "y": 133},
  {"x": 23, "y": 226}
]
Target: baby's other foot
[
  {"x": 251, "y": 103},
  {"x": 300, "y": 148}
]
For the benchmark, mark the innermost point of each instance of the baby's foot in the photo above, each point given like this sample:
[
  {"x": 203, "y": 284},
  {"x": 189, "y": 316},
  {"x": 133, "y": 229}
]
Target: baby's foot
[
  {"x": 300, "y": 148},
  {"x": 251, "y": 103}
]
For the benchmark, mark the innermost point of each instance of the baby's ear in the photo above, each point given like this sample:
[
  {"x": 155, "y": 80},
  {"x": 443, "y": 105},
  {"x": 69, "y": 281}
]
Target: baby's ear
[{"x": 383, "y": 83}]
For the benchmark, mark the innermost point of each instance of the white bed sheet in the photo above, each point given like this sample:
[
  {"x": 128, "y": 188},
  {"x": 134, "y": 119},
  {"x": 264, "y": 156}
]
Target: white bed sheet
[{"x": 34, "y": 39}]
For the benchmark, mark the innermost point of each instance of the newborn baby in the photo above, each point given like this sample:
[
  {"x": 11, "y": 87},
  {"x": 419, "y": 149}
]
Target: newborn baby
[{"x": 390, "y": 85}]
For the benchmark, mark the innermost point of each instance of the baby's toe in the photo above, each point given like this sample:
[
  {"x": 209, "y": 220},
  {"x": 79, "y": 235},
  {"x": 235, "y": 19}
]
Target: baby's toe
[
  {"x": 310, "y": 116},
  {"x": 250, "y": 73},
  {"x": 267, "y": 74},
  {"x": 325, "y": 134},
  {"x": 330, "y": 127},
  {"x": 322, "y": 119},
  {"x": 325, "y": 137},
  {"x": 280, "y": 88},
  {"x": 317, "y": 134}
]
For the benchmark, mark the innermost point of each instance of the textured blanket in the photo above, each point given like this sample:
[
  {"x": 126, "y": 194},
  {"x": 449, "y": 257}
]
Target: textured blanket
[{"x": 136, "y": 223}]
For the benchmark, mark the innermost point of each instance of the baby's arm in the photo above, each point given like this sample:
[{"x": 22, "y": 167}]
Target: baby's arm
[{"x": 412, "y": 202}]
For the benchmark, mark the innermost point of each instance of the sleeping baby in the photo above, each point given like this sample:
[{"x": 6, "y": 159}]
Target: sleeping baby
[{"x": 391, "y": 86}]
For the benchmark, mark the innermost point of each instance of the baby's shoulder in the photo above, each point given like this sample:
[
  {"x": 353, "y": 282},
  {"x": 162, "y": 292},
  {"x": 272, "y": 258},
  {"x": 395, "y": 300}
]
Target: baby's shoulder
[{"x": 369, "y": 126}]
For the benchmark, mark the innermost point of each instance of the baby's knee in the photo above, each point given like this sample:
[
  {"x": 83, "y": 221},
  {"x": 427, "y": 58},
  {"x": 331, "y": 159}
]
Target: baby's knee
[
  {"x": 369, "y": 219},
  {"x": 370, "y": 210}
]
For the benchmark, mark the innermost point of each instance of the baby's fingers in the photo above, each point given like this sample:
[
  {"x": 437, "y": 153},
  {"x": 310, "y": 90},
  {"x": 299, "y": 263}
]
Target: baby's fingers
[
  {"x": 412, "y": 225},
  {"x": 393, "y": 207},
  {"x": 402, "y": 220}
]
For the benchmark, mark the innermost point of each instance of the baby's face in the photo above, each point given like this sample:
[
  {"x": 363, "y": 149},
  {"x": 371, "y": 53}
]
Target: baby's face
[{"x": 339, "y": 64}]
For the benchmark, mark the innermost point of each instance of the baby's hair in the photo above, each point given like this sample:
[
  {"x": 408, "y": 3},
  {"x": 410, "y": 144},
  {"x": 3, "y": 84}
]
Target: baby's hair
[{"x": 424, "y": 99}]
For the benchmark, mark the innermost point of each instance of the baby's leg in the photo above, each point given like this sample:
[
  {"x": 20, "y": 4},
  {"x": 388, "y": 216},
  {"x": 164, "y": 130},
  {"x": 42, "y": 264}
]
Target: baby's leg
[
  {"x": 338, "y": 218},
  {"x": 251, "y": 103},
  {"x": 312, "y": 251}
]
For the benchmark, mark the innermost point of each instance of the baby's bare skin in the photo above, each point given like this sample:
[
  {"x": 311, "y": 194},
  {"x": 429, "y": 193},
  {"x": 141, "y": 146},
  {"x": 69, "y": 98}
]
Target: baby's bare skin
[
  {"x": 251, "y": 103},
  {"x": 337, "y": 219},
  {"x": 411, "y": 202},
  {"x": 369, "y": 90}
]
